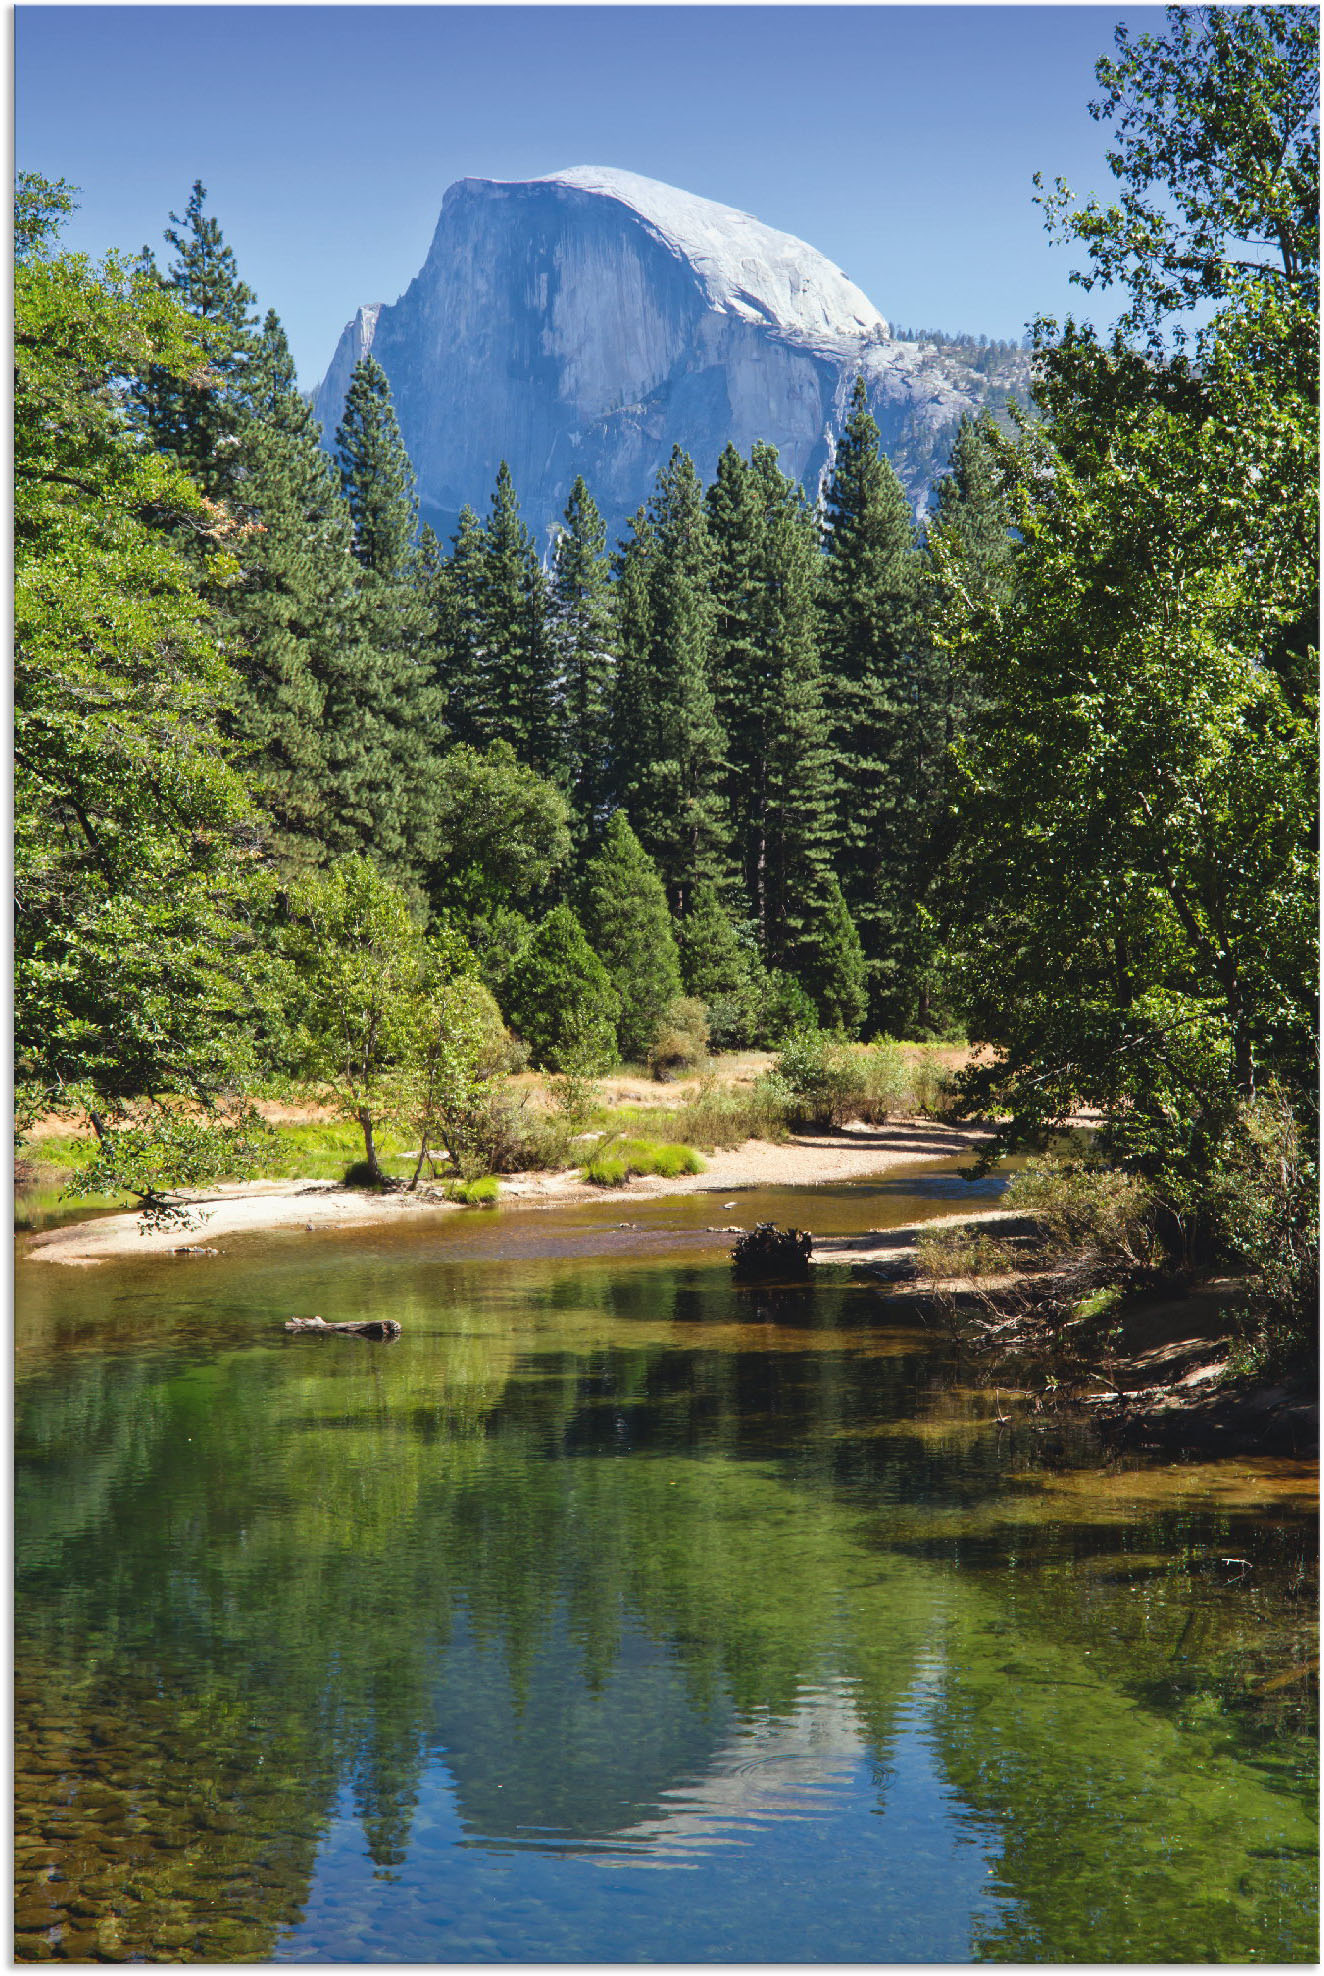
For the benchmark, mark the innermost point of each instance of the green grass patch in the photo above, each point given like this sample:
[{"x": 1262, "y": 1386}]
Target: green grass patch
[
  {"x": 614, "y": 1164},
  {"x": 482, "y": 1193}
]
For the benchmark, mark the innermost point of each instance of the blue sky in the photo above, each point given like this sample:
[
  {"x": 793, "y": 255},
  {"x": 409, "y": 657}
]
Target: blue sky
[{"x": 901, "y": 141}]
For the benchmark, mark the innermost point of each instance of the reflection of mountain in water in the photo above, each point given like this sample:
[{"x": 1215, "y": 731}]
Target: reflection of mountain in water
[{"x": 775, "y": 1768}]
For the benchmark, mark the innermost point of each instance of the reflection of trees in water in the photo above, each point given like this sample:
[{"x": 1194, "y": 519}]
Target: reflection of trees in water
[{"x": 325, "y": 1569}]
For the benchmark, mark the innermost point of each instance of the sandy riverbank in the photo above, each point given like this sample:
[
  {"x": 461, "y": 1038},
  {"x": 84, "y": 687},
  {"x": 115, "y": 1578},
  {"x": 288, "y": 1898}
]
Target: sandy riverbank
[{"x": 253, "y": 1206}]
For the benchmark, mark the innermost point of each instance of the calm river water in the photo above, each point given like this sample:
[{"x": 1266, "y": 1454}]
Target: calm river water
[{"x": 613, "y": 1614}]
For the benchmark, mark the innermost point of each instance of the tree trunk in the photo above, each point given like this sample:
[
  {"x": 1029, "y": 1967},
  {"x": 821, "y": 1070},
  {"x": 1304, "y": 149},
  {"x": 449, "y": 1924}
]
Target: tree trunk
[{"x": 369, "y": 1147}]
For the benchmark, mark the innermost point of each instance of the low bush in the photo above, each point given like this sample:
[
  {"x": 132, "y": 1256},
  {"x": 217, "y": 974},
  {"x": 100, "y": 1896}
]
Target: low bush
[
  {"x": 681, "y": 1043},
  {"x": 824, "y": 1083},
  {"x": 945, "y": 1255},
  {"x": 1100, "y": 1219}
]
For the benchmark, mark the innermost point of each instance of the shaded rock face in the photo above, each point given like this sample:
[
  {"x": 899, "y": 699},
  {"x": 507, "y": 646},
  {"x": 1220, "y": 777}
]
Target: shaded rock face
[{"x": 587, "y": 322}]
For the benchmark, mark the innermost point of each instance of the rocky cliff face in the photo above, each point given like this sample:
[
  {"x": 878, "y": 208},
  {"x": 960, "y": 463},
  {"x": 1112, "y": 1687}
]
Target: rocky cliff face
[{"x": 589, "y": 321}]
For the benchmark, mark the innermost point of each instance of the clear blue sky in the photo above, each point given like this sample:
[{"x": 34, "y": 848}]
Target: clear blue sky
[{"x": 901, "y": 141}]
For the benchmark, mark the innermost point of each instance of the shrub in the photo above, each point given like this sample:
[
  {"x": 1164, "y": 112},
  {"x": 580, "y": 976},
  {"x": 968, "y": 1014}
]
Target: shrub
[
  {"x": 681, "y": 1043},
  {"x": 1264, "y": 1206},
  {"x": 606, "y": 1172},
  {"x": 823, "y": 1081},
  {"x": 1101, "y": 1218},
  {"x": 359, "y": 1173},
  {"x": 559, "y": 997}
]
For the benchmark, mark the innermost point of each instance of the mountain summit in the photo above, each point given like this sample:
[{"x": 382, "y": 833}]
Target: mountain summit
[{"x": 588, "y": 321}]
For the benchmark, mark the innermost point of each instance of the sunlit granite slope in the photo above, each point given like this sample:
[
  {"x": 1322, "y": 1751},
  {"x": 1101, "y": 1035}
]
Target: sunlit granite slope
[{"x": 587, "y": 321}]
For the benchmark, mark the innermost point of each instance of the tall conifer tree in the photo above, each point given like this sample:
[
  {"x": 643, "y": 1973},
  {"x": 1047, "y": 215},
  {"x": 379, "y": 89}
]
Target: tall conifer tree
[
  {"x": 384, "y": 705},
  {"x": 870, "y": 612},
  {"x": 197, "y": 420},
  {"x": 626, "y": 920},
  {"x": 668, "y": 740},
  {"x": 770, "y": 699},
  {"x": 295, "y": 611},
  {"x": 583, "y": 637}
]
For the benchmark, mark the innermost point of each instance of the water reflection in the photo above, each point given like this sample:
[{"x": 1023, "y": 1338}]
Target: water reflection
[{"x": 332, "y": 1653}]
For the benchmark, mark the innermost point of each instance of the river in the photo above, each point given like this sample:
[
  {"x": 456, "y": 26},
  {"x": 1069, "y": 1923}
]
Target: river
[{"x": 616, "y": 1614}]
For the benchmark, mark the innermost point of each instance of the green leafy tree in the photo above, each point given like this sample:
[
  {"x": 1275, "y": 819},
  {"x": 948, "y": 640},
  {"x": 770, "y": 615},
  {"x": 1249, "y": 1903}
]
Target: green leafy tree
[
  {"x": 380, "y": 1020},
  {"x": 834, "y": 972},
  {"x": 1138, "y": 925},
  {"x": 625, "y": 918},
  {"x": 136, "y": 883},
  {"x": 668, "y": 742},
  {"x": 559, "y": 998},
  {"x": 500, "y": 834},
  {"x": 871, "y": 642}
]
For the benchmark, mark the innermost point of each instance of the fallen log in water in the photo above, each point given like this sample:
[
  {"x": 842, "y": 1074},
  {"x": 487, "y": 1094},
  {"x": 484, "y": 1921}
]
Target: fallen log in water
[{"x": 380, "y": 1328}]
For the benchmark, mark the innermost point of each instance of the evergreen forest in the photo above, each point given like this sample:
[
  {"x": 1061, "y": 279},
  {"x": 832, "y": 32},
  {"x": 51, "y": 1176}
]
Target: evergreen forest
[{"x": 303, "y": 792}]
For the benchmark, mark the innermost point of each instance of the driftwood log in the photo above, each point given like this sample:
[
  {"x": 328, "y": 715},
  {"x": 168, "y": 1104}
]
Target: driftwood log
[
  {"x": 769, "y": 1254},
  {"x": 379, "y": 1328}
]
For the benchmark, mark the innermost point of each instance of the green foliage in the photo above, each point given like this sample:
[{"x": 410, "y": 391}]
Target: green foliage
[
  {"x": 721, "y": 969},
  {"x": 681, "y": 1044},
  {"x": 498, "y": 836},
  {"x": 1083, "y": 1208},
  {"x": 833, "y": 969},
  {"x": 582, "y": 632},
  {"x": 559, "y": 997},
  {"x": 195, "y": 418},
  {"x": 626, "y": 920},
  {"x": 1217, "y": 157},
  {"x": 728, "y": 1114},
  {"x": 136, "y": 883},
  {"x": 171, "y": 1150},
  {"x": 482, "y": 1193},
  {"x": 1263, "y": 1200},
  {"x": 621, "y": 1160},
  {"x": 500, "y": 656},
  {"x": 668, "y": 743},
  {"x": 873, "y": 655},
  {"x": 1136, "y": 926},
  {"x": 769, "y": 698},
  {"x": 822, "y": 1081},
  {"x": 784, "y": 1009},
  {"x": 384, "y": 704},
  {"x": 383, "y": 1021}
]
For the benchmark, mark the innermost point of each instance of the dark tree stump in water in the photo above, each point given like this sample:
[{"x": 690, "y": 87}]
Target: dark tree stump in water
[
  {"x": 380, "y": 1328},
  {"x": 769, "y": 1254}
]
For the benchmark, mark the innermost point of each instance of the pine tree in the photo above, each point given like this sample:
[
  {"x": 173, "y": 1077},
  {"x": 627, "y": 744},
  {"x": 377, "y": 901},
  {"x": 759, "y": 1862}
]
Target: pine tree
[
  {"x": 968, "y": 568},
  {"x": 869, "y": 633},
  {"x": 583, "y": 639},
  {"x": 771, "y": 698},
  {"x": 500, "y": 661},
  {"x": 721, "y": 968},
  {"x": 560, "y": 999},
  {"x": 294, "y": 611},
  {"x": 384, "y": 705},
  {"x": 833, "y": 967},
  {"x": 626, "y": 920},
  {"x": 197, "y": 420},
  {"x": 668, "y": 741}
]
